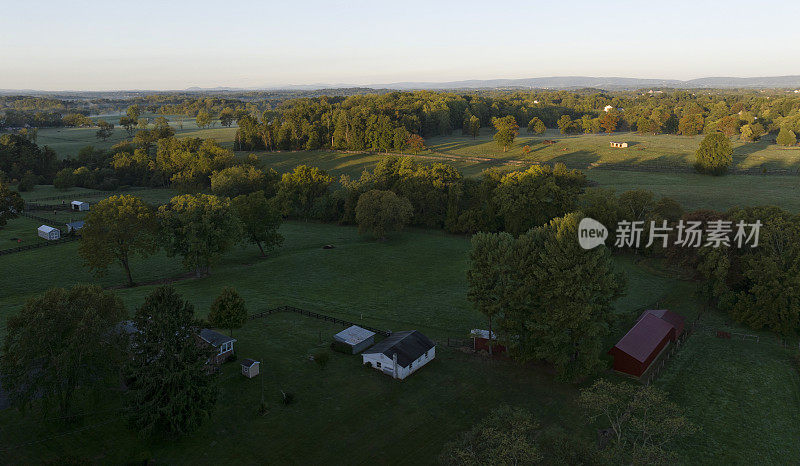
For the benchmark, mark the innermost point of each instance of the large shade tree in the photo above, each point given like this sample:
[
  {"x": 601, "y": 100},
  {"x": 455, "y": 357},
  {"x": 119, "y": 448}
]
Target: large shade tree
[
  {"x": 714, "y": 155},
  {"x": 11, "y": 204},
  {"x": 200, "y": 228},
  {"x": 489, "y": 275},
  {"x": 380, "y": 212},
  {"x": 259, "y": 220},
  {"x": 563, "y": 305},
  {"x": 116, "y": 229},
  {"x": 59, "y": 342}
]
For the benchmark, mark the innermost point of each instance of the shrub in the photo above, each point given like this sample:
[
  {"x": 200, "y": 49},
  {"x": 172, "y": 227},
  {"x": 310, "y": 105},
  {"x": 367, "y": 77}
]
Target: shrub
[{"x": 322, "y": 358}]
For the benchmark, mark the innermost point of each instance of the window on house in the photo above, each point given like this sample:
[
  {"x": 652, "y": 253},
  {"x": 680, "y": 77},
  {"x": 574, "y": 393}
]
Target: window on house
[{"x": 378, "y": 365}]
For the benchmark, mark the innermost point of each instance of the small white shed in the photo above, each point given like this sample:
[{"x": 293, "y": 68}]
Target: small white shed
[
  {"x": 250, "y": 368},
  {"x": 79, "y": 206},
  {"x": 357, "y": 338},
  {"x": 49, "y": 233}
]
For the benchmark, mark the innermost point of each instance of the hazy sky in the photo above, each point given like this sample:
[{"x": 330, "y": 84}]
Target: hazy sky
[{"x": 58, "y": 45}]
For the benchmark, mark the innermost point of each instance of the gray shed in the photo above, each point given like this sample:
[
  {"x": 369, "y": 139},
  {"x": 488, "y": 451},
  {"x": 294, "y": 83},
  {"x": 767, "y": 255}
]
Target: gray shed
[{"x": 357, "y": 338}]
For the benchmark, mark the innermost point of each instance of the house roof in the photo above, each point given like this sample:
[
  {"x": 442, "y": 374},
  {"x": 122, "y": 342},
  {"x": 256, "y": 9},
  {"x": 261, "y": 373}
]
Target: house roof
[
  {"x": 214, "y": 338},
  {"x": 676, "y": 320},
  {"x": 408, "y": 346},
  {"x": 78, "y": 202},
  {"x": 75, "y": 225},
  {"x": 46, "y": 229},
  {"x": 353, "y": 335},
  {"x": 644, "y": 337},
  {"x": 248, "y": 362}
]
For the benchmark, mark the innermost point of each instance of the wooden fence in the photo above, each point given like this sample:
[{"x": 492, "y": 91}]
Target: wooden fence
[
  {"x": 316, "y": 315},
  {"x": 27, "y": 247}
]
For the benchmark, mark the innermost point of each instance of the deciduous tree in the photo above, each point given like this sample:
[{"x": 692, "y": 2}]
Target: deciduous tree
[
  {"x": 200, "y": 228},
  {"x": 11, "y": 204},
  {"x": 61, "y": 341},
  {"x": 228, "y": 310},
  {"x": 380, "y": 212},
  {"x": 714, "y": 155},
  {"x": 506, "y": 131},
  {"x": 117, "y": 228},
  {"x": 259, "y": 220}
]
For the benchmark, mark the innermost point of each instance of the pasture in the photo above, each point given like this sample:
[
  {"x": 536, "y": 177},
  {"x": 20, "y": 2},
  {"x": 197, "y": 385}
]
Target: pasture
[
  {"x": 645, "y": 151},
  {"x": 414, "y": 280},
  {"x": 67, "y": 142},
  {"x": 692, "y": 190}
]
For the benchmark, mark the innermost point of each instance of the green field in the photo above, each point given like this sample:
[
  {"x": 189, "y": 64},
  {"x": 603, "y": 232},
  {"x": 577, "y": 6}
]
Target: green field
[
  {"x": 645, "y": 151},
  {"x": 67, "y": 142},
  {"x": 345, "y": 413},
  {"x": 692, "y": 190}
]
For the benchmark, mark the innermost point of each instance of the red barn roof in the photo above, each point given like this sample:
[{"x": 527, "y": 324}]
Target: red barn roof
[
  {"x": 676, "y": 320},
  {"x": 643, "y": 339}
]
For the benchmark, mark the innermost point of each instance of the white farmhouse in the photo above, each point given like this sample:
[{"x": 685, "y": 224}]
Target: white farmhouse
[
  {"x": 49, "y": 233},
  {"x": 400, "y": 354}
]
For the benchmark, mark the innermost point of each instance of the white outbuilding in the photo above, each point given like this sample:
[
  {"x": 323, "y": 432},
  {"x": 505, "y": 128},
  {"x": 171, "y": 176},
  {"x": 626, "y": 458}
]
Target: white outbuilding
[
  {"x": 400, "y": 354},
  {"x": 79, "y": 206},
  {"x": 357, "y": 338},
  {"x": 49, "y": 233}
]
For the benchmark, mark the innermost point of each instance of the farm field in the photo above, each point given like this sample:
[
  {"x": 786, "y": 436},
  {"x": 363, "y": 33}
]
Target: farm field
[
  {"x": 692, "y": 190},
  {"x": 414, "y": 280},
  {"x": 67, "y": 142},
  {"x": 645, "y": 151}
]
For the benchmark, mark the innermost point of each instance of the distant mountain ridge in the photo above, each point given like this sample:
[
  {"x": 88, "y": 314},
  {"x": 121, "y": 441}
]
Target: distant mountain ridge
[
  {"x": 577, "y": 82},
  {"x": 551, "y": 82}
]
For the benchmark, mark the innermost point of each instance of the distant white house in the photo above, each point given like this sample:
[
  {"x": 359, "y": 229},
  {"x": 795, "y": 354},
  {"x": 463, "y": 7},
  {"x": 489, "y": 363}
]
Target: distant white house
[
  {"x": 400, "y": 354},
  {"x": 79, "y": 206},
  {"x": 608, "y": 108},
  {"x": 49, "y": 233},
  {"x": 357, "y": 338},
  {"x": 619, "y": 145}
]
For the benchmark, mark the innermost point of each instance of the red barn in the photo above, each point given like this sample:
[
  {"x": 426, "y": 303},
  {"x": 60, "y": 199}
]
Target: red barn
[
  {"x": 480, "y": 341},
  {"x": 634, "y": 353}
]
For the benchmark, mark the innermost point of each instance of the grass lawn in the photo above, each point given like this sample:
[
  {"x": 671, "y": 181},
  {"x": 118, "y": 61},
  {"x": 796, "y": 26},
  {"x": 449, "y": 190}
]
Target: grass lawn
[
  {"x": 345, "y": 414},
  {"x": 695, "y": 191}
]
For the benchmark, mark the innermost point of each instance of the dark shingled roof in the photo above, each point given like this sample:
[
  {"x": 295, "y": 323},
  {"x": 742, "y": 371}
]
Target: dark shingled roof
[
  {"x": 408, "y": 346},
  {"x": 215, "y": 339},
  {"x": 248, "y": 362},
  {"x": 644, "y": 337}
]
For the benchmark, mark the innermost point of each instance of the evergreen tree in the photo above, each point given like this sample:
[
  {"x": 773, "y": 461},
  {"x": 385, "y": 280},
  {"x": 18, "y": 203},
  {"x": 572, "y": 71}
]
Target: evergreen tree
[{"x": 171, "y": 391}]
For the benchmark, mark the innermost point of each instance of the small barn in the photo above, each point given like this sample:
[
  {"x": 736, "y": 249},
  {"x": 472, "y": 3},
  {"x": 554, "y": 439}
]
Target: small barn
[
  {"x": 619, "y": 145},
  {"x": 79, "y": 206},
  {"x": 222, "y": 343},
  {"x": 74, "y": 226},
  {"x": 250, "y": 368},
  {"x": 654, "y": 330},
  {"x": 480, "y": 341},
  {"x": 49, "y": 233},
  {"x": 400, "y": 354},
  {"x": 357, "y": 338}
]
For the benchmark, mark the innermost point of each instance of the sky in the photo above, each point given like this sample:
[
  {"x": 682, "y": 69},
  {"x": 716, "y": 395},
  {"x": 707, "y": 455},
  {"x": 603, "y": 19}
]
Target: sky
[{"x": 110, "y": 45}]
